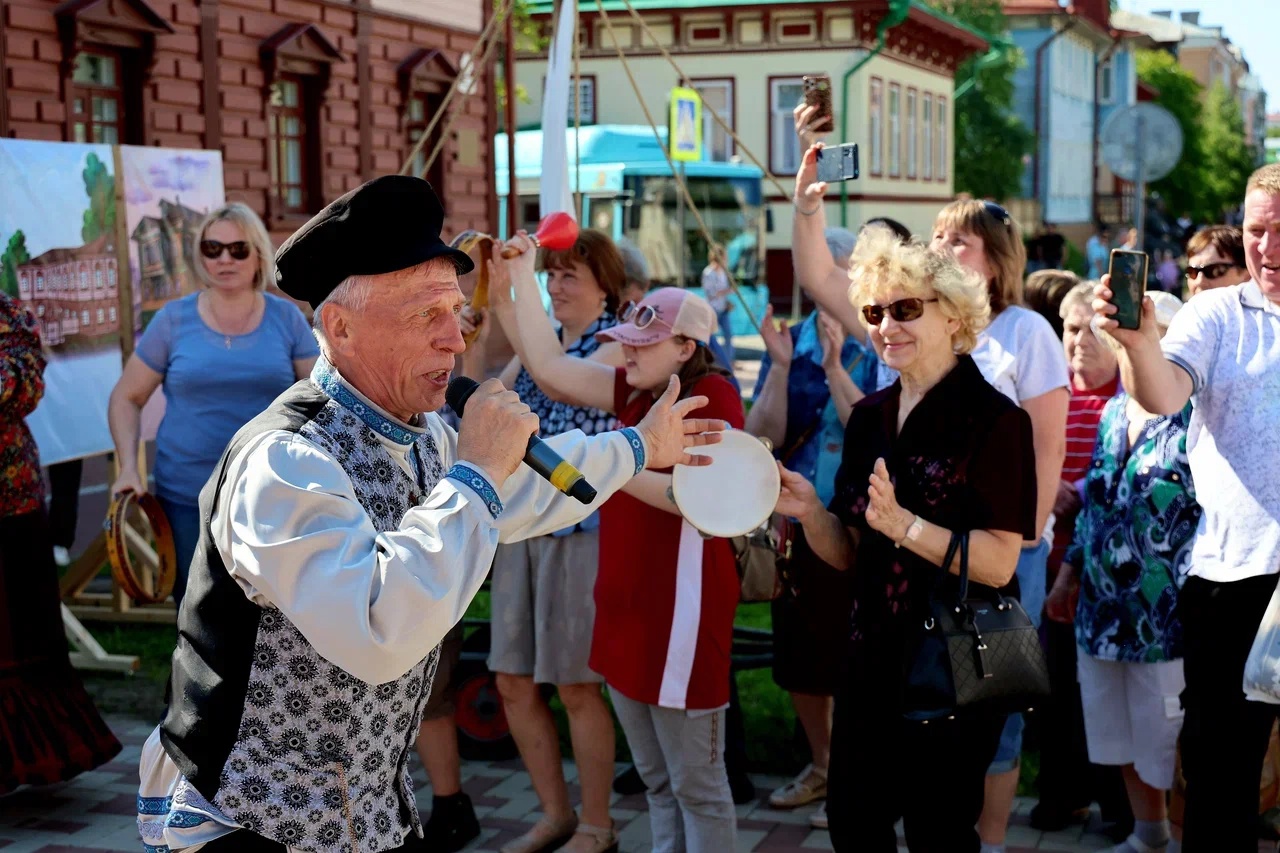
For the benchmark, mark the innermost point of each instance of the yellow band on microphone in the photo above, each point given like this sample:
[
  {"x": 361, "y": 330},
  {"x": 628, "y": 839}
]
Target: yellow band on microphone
[{"x": 564, "y": 476}]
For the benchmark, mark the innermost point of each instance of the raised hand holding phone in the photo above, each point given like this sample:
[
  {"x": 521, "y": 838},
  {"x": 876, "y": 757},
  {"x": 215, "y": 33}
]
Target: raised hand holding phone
[{"x": 1128, "y": 286}]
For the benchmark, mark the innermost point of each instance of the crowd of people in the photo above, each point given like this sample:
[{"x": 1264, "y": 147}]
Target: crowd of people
[{"x": 334, "y": 519}]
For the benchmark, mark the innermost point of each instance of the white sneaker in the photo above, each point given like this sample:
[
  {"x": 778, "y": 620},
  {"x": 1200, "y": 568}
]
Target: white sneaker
[
  {"x": 60, "y": 556},
  {"x": 818, "y": 820},
  {"x": 809, "y": 786}
]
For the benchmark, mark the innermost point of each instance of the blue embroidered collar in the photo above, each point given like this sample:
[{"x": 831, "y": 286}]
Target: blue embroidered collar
[{"x": 328, "y": 380}]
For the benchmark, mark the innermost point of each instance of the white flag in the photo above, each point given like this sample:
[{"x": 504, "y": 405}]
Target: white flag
[{"x": 555, "y": 195}]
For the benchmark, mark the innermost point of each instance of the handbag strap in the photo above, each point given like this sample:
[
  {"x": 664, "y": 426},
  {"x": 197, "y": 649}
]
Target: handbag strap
[{"x": 959, "y": 544}]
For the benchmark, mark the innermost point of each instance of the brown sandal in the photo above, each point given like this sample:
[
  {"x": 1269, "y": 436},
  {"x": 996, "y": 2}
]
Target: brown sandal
[
  {"x": 543, "y": 837},
  {"x": 606, "y": 839}
]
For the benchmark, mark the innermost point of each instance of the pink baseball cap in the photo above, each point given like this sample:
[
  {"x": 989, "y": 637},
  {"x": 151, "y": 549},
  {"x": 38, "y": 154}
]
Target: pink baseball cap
[{"x": 665, "y": 312}]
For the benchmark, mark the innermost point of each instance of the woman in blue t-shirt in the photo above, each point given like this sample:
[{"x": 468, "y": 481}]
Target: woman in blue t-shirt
[{"x": 221, "y": 354}]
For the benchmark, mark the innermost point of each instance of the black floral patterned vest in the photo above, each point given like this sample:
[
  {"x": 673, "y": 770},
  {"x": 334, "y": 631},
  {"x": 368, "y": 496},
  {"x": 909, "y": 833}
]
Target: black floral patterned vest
[{"x": 281, "y": 741}]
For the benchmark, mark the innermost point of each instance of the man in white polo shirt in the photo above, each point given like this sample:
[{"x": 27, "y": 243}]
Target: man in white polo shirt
[{"x": 1222, "y": 352}]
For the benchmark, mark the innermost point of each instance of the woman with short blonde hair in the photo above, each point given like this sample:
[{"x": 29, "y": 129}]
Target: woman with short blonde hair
[{"x": 222, "y": 355}]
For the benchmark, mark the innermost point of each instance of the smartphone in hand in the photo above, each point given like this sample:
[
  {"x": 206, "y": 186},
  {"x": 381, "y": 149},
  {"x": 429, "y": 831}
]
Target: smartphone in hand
[
  {"x": 817, "y": 93},
  {"x": 838, "y": 162},
  {"x": 1128, "y": 286}
]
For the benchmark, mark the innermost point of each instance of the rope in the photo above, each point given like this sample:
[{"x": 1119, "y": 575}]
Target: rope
[
  {"x": 680, "y": 75},
  {"x": 453, "y": 116},
  {"x": 452, "y": 91},
  {"x": 680, "y": 184}
]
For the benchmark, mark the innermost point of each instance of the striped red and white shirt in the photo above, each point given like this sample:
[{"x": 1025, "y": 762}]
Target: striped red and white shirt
[{"x": 1084, "y": 412}]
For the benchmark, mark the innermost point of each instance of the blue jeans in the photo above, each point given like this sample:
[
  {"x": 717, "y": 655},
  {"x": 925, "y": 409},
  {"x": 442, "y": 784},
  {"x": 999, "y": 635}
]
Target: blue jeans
[
  {"x": 1032, "y": 572},
  {"x": 724, "y": 318},
  {"x": 185, "y": 521}
]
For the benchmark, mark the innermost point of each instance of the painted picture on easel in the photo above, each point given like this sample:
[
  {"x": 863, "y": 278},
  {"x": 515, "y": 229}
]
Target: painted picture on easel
[
  {"x": 167, "y": 194},
  {"x": 57, "y": 232}
]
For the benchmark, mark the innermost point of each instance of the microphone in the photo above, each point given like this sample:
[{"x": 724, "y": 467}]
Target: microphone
[{"x": 539, "y": 456}]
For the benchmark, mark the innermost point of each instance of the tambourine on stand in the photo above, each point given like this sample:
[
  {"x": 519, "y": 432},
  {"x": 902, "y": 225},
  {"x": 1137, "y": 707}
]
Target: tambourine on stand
[
  {"x": 144, "y": 564},
  {"x": 557, "y": 232}
]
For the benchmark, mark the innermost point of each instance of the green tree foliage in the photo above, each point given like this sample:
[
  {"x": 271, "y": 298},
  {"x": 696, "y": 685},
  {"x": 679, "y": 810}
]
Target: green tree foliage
[
  {"x": 991, "y": 142},
  {"x": 13, "y": 256},
  {"x": 1183, "y": 189},
  {"x": 100, "y": 218},
  {"x": 1233, "y": 160}
]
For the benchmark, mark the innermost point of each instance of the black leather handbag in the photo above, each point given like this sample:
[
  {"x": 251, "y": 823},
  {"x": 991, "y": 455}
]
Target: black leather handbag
[{"x": 977, "y": 656}]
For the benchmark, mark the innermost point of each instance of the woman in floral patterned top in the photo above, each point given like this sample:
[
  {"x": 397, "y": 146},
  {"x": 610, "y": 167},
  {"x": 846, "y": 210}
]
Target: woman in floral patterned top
[
  {"x": 49, "y": 729},
  {"x": 1126, "y": 563}
]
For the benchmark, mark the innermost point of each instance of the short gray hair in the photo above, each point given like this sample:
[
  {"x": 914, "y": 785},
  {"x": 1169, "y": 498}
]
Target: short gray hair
[
  {"x": 1080, "y": 295},
  {"x": 355, "y": 291},
  {"x": 840, "y": 243},
  {"x": 255, "y": 234},
  {"x": 634, "y": 265}
]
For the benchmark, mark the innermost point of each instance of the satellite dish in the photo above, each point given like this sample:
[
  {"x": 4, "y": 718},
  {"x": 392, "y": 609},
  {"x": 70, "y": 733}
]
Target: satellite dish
[{"x": 1142, "y": 142}]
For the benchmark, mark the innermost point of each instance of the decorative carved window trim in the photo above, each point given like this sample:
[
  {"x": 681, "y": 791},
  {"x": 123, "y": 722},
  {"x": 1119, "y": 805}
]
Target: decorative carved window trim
[
  {"x": 126, "y": 29},
  {"x": 300, "y": 54}
]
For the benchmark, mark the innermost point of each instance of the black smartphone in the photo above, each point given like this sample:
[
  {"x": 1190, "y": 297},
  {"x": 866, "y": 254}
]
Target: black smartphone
[
  {"x": 817, "y": 93},
  {"x": 1128, "y": 286},
  {"x": 838, "y": 162}
]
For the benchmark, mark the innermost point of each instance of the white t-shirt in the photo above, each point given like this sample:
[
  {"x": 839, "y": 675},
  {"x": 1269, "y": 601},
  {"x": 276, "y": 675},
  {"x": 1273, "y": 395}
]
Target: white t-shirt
[
  {"x": 1228, "y": 341},
  {"x": 1021, "y": 356}
]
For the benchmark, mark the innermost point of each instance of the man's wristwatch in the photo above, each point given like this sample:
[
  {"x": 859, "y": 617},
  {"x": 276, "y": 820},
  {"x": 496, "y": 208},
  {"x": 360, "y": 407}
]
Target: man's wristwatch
[{"x": 913, "y": 532}]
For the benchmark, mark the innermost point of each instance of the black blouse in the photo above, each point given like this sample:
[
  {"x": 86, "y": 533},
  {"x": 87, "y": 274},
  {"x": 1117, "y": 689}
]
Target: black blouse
[{"x": 964, "y": 460}]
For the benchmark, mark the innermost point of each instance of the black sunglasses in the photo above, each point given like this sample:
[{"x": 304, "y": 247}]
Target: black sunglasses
[
  {"x": 996, "y": 211},
  {"x": 212, "y": 249},
  {"x": 904, "y": 310},
  {"x": 1209, "y": 271}
]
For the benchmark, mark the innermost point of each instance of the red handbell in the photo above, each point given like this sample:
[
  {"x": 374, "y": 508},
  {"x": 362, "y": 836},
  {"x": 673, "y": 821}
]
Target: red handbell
[{"x": 557, "y": 231}]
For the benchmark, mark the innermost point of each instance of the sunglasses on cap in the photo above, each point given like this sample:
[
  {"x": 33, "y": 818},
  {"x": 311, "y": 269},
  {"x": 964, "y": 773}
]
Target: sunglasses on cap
[
  {"x": 1209, "y": 271},
  {"x": 641, "y": 318},
  {"x": 212, "y": 249},
  {"x": 996, "y": 211},
  {"x": 904, "y": 310}
]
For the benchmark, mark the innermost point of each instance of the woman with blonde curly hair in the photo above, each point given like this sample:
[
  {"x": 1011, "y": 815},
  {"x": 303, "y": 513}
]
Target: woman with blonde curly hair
[{"x": 939, "y": 451}]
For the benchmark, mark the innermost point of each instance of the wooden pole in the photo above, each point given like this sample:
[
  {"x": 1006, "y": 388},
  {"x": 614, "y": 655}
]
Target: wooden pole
[{"x": 509, "y": 119}]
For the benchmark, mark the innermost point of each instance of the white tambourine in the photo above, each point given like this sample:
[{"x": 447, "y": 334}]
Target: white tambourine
[{"x": 733, "y": 495}]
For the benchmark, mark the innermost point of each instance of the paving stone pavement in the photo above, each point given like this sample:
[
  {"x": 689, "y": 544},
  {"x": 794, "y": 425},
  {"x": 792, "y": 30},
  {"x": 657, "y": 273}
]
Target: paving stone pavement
[{"x": 95, "y": 812}]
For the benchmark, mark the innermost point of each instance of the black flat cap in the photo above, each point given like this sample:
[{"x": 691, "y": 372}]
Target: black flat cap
[{"x": 389, "y": 224}]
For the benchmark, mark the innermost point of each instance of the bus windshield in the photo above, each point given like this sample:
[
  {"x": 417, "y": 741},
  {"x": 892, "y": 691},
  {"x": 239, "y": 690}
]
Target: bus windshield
[{"x": 731, "y": 208}]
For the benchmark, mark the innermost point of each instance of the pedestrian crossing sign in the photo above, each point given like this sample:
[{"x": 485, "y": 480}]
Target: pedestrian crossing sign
[{"x": 685, "y": 124}]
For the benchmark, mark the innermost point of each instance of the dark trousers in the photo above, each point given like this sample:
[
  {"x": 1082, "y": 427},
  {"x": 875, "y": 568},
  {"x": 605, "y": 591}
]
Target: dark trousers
[
  {"x": 244, "y": 841},
  {"x": 64, "y": 501},
  {"x": 1067, "y": 779},
  {"x": 1224, "y": 736},
  {"x": 884, "y": 768}
]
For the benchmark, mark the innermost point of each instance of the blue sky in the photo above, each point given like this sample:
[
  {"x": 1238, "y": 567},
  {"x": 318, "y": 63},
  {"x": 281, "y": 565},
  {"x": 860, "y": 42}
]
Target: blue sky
[
  {"x": 36, "y": 177},
  {"x": 1251, "y": 24}
]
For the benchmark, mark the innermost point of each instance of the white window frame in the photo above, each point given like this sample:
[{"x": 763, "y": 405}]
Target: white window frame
[
  {"x": 1107, "y": 81},
  {"x": 926, "y": 143},
  {"x": 941, "y": 106},
  {"x": 913, "y": 146},
  {"x": 711, "y": 129},
  {"x": 895, "y": 130},
  {"x": 875, "y": 126},
  {"x": 782, "y": 128}
]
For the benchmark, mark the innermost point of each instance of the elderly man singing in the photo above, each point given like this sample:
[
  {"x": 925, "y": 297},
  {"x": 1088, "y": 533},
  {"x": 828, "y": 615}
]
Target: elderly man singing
[{"x": 345, "y": 531}]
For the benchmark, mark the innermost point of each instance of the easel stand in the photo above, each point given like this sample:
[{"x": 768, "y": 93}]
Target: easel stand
[{"x": 114, "y": 606}]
